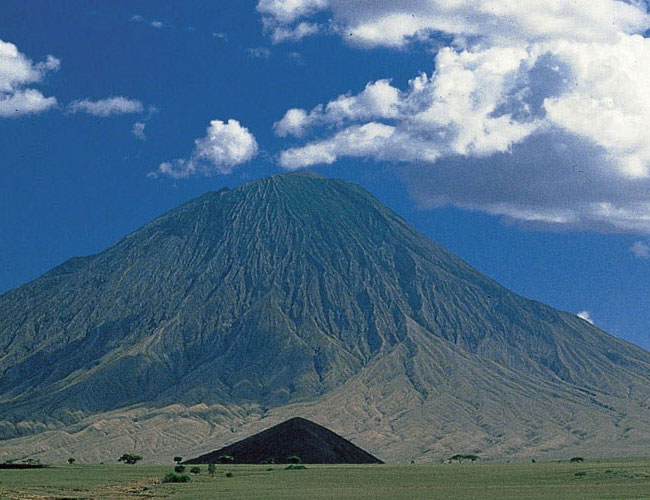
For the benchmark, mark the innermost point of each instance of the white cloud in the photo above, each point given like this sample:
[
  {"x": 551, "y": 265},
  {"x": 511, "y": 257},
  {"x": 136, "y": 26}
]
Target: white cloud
[
  {"x": 453, "y": 112},
  {"x": 641, "y": 250},
  {"x": 17, "y": 72},
  {"x": 287, "y": 11},
  {"x": 149, "y": 22},
  {"x": 586, "y": 315},
  {"x": 138, "y": 130},
  {"x": 224, "y": 147},
  {"x": 283, "y": 34},
  {"x": 495, "y": 22},
  {"x": 106, "y": 107},
  {"x": 553, "y": 94},
  {"x": 378, "y": 100},
  {"x": 259, "y": 53}
]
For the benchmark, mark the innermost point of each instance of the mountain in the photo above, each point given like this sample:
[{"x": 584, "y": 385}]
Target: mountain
[
  {"x": 313, "y": 443},
  {"x": 297, "y": 294}
]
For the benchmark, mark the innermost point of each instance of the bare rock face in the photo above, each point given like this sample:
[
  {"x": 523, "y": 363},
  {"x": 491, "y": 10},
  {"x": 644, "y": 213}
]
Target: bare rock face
[
  {"x": 234, "y": 310},
  {"x": 297, "y": 437}
]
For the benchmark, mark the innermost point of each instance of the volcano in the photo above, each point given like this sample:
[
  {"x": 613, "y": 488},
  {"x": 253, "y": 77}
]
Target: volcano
[
  {"x": 297, "y": 437},
  {"x": 297, "y": 294}
]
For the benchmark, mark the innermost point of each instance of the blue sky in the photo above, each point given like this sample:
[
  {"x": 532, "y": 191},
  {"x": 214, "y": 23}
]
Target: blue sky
[{"x": 513, "y": 136}]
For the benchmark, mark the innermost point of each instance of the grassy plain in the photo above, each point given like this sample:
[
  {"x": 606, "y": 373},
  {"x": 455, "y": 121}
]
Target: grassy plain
[{"x": 603, "y": 479}]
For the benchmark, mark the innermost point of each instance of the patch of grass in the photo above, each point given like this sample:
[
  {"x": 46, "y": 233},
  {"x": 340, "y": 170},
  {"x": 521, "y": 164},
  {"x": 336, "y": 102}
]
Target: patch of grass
[{"x": 613, "y": 479}]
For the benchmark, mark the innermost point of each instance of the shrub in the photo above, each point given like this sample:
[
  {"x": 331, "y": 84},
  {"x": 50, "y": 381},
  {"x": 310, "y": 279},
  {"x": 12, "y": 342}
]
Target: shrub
[
  {"x": 294, "y": 459},
  {"x": 295, "y": 467},
  {"x": 172, "y": 477},
  {"x": 129, "y": 458},
  {"x": 195, "y": 470},
  {"x": 71, "y": 460},
  {"x": 179, "y": 468},
  {"x": 226, "y": 459},
  {"x": 228, "y": 474},
  {"x": 212, "y": 469},
  {"x": 460, "y": 458},
  {"x": 577, "y": 460}
]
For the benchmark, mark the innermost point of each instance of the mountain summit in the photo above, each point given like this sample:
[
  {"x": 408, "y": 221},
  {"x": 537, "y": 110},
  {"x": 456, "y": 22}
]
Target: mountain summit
[{"x": 297, "y": 292}]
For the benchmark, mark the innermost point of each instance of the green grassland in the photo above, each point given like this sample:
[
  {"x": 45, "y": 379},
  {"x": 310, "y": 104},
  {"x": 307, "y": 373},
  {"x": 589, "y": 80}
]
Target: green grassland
[{"x": 603, "y": 479}]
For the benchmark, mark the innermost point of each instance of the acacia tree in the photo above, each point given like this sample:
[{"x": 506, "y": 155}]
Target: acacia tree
[{"x": 130, "y": 458}]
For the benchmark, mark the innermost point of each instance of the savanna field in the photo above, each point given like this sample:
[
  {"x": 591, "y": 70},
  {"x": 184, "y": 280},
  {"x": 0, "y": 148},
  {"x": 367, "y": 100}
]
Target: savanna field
[{"x": 601, "y": 479}]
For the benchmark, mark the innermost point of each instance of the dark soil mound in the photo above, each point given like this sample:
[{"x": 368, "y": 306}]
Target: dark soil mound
[{"x": 313, "y": 443}]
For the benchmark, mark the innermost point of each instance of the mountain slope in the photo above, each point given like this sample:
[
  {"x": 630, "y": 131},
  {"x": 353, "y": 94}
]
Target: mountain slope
[{"x": 280, "y": 293}]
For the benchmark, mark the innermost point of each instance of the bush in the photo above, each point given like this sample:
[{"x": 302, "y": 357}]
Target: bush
[
  {"x": 460, "y": 458},
  {"x": 129, "y": 458},
  {"x": 212, "y": 469},
  {"x": 577, "y": 460},
  {"x": 295, "y": 467},
  {"x": 172, "y": 477},
  {"x": 294, "y": 459},
  {"x": 228, "y": 474},
  {"x": 179, "y": 468},
  {"x": 195, "y": 470},
  {"x": 226, "y": 459},
  {"x": 71, "y": 460}
]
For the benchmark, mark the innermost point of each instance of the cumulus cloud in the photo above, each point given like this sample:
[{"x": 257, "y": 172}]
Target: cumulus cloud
[
  {"x": 378, "y": 100},
  {"x": 17, "y": 72},
  {"x": 586, "y": 315},
  {"x": 535, "y": 112},
  {"x": 224, "y": 147},
  {"x": 395, "y": 24},
  {"x": 106, "y": 107},
  {"x": 641, "y": 250}
]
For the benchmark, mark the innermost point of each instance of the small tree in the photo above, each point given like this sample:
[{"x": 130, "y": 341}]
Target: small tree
[
  {"x": 212, "y": 469},
  {"x": 226, "y": 459},
  {"x": 130, "y": 458},
  {"x": 71, "y": 460},
  {"x": 577, "y": 460},
  {"x": 179, "y": 468},
  {"x": 178, "y": 460},
  {"x": 294, "y": 459},
  {"x": 195, "y": 470}
]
